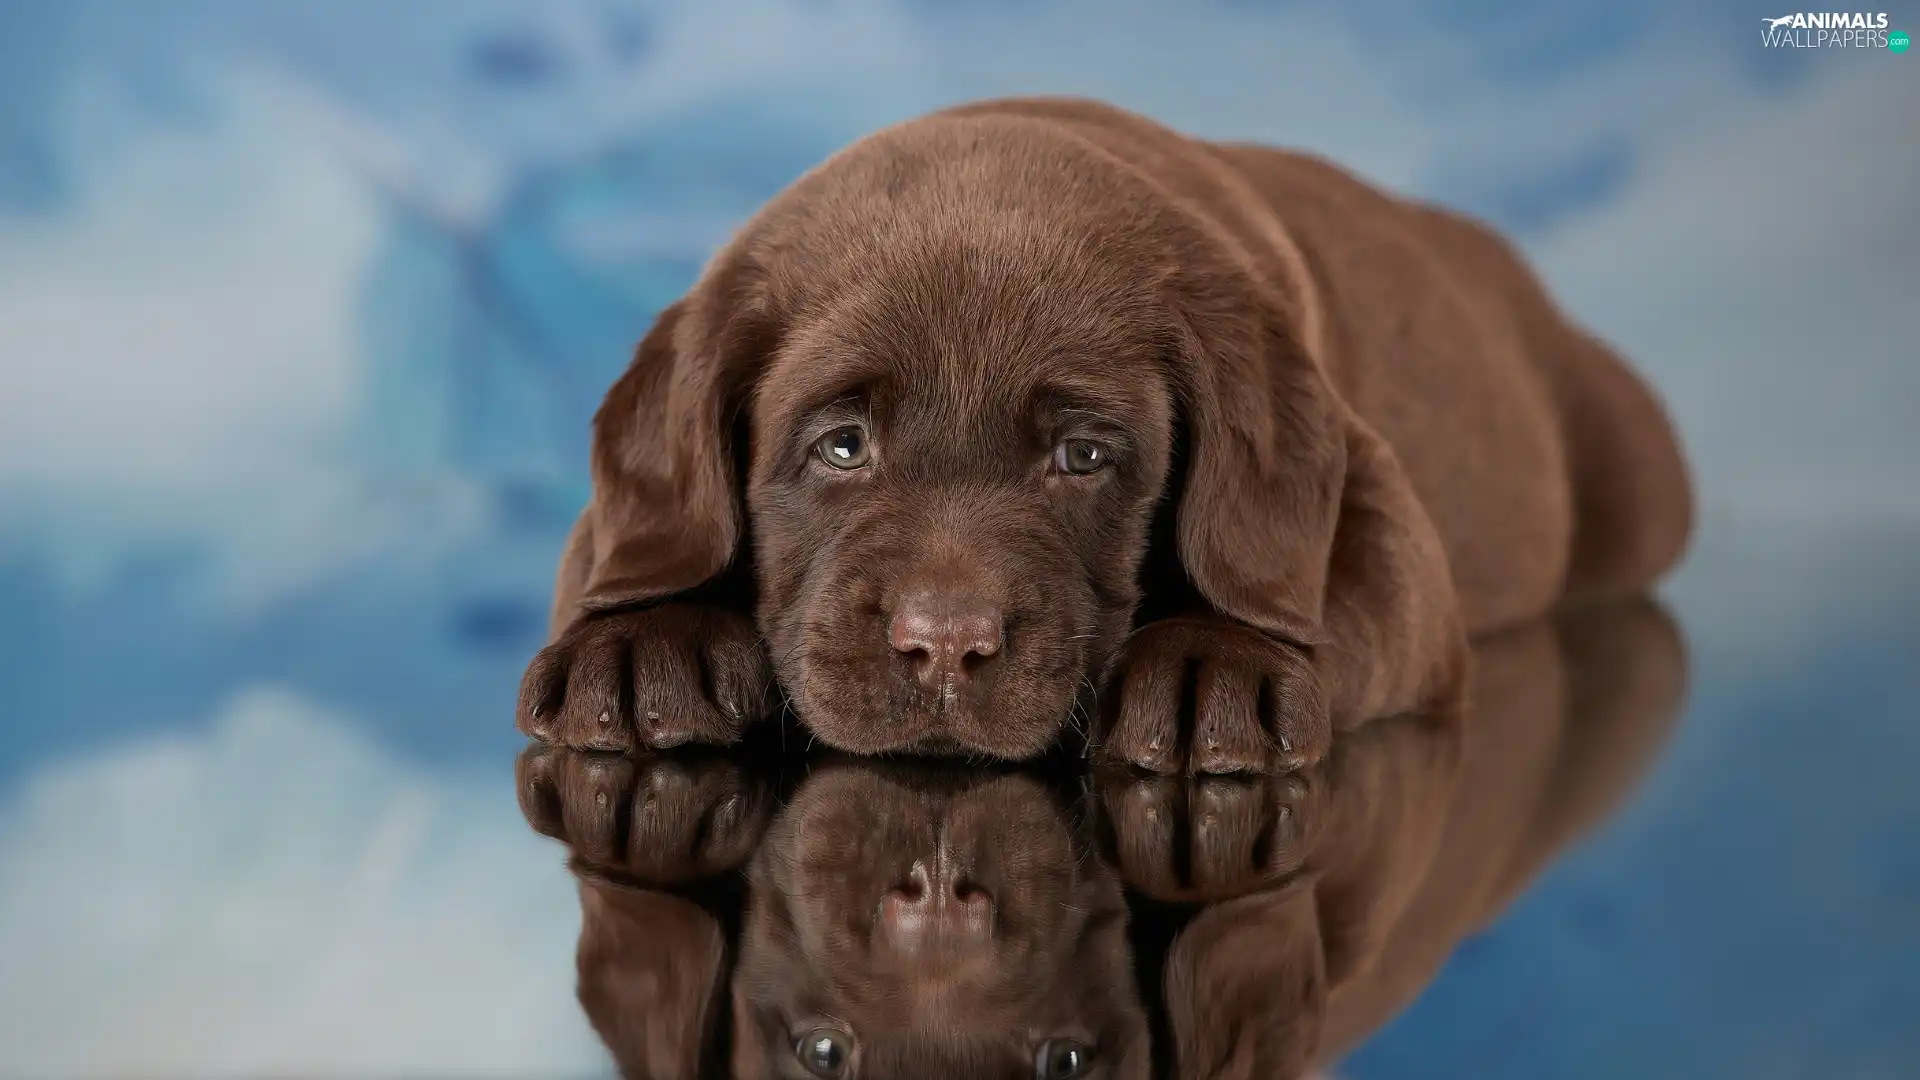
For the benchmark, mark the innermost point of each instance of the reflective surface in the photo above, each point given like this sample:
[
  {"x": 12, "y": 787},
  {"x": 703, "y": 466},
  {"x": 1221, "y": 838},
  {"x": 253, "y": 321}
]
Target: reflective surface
[
  {"x": 1569, "y": 884},
  {"x": 934, "y": 920}
]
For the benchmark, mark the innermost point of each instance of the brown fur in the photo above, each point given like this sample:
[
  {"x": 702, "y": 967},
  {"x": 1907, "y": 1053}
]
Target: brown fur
[
  {"x": 1347, "y": 429},
  {"x": 815, "y": 949}
]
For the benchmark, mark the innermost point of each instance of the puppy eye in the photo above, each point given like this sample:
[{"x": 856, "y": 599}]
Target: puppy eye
[
  {"x": 824, "y": 1053},
  {"x": 844, "y": 448},
  {"x": 1081, "y": 457},
  {"x": 1061, "y": 1059}
]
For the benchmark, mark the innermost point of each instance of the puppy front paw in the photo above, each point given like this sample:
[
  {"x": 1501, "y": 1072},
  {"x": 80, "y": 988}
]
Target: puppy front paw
[
  {"x": 1204, "y": 694},
  {"x": 658, "y": 678}
]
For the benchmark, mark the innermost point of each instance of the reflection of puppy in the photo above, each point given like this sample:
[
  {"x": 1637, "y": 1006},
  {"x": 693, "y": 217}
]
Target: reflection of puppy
[
  {"x": 921, "y": 924},
  {"x": 646, "y": 835},
  {"x": 1337, "y": 896}
]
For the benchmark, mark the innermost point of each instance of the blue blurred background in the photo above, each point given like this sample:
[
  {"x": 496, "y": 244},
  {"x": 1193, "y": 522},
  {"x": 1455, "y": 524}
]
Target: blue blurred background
[{"x": 304, "y": 308}]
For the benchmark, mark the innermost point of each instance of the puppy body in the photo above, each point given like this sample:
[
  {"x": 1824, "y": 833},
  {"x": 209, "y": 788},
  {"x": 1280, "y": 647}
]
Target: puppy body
[{"x": 1336, "y": 432}]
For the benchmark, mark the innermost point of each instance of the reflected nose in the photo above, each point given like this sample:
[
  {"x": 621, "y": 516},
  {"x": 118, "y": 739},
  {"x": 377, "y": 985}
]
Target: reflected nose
[
  {"x": 936, "y": 908},
  {"x": 946, "y": 640}
]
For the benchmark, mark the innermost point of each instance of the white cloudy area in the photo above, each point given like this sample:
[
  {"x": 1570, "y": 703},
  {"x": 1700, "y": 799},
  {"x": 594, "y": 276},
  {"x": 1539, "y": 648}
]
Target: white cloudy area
[
  {"x": 274, "y": 897},
  {"x": 181, "y": 346},
  {"x": 190, "y": 322},
  {"x": 1760, "y": 270},
  {"x": 183, "y": 363}
]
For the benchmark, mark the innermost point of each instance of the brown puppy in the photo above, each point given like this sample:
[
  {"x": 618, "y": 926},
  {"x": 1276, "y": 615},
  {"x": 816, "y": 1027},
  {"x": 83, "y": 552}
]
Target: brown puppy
[{"x": 1032, "y": 397}]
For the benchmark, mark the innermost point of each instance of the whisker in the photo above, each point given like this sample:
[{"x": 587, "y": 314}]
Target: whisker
[{"x": 788, "y": 655}]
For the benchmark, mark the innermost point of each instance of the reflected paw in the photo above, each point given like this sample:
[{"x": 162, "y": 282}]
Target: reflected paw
[
  {"x": 661, "y": 819},
  {"x": 1205, "y": 839}
]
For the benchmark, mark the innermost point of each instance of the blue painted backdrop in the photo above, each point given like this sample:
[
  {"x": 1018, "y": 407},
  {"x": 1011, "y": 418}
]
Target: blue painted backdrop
[{"x": 304, "y": 308}]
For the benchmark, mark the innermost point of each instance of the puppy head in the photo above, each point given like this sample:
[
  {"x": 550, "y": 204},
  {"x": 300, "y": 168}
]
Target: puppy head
[
  {"x": 929, "y": 925},
  {"x": 955, "y": 467},
  {"x": 955, "y": 359}
]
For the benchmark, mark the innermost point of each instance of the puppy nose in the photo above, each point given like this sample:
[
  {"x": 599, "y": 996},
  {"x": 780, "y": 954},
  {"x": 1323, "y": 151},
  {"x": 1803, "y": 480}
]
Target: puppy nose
[
  {"x": 946, "y": 640},
  {"x": 936, "y": 909}
]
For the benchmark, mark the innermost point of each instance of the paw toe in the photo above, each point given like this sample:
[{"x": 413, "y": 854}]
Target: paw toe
[
  {"x": 542, "y": 692},
  {"x": 1145, "y": 731},
  {"x": 670, "y": 703},
  {"x": 594, "y": 716},
  {"x": 1296, "y": 714},
  {"x": 1227, "y": 736}
]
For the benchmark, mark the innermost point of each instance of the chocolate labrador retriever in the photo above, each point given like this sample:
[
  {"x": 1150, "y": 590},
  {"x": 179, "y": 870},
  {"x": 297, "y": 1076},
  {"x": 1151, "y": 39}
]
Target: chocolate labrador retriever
[{"x": 1035, "y": 412}]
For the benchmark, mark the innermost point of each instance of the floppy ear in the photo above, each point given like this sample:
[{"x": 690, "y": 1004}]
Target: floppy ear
[
  {"x": 652, "y": 971},
  {"x": 1246, "y": 987},
  {"x": 666, "y": 510},
  {"x": 1265, "y": 465}
]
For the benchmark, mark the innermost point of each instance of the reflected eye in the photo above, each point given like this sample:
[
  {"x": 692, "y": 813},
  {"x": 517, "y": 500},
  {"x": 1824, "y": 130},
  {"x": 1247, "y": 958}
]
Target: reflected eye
[
  {"x": 1061, "y": 1059},
  {"x": 824, "y": 1052},
  {"x": 1080, "y": 457},
  {"x": 844, "y": 448}
]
